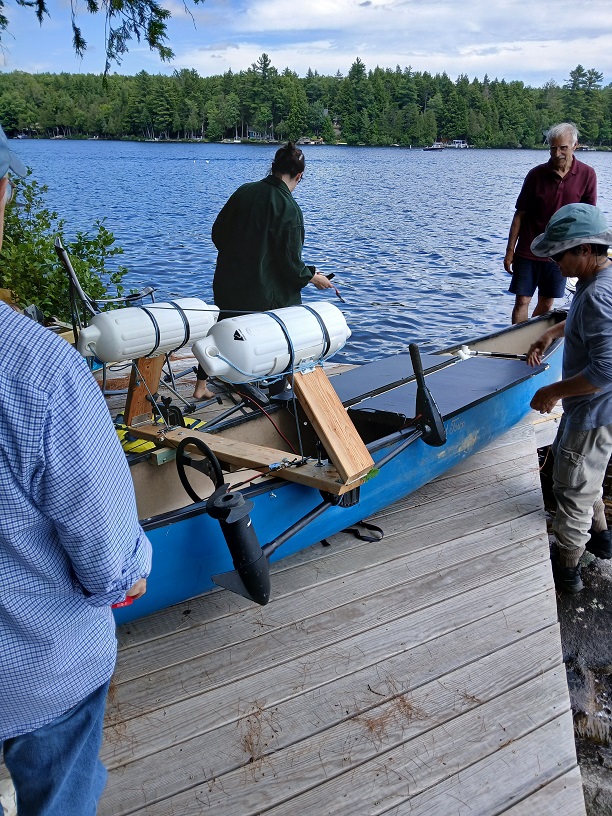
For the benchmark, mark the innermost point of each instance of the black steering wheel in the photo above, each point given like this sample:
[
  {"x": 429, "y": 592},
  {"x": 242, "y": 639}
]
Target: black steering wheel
[{"x": 212, "y": 467}]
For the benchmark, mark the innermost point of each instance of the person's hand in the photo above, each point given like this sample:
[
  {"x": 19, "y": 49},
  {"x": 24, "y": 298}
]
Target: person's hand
[
  {"x": 537, "y": 349},
  {"x": 534, "y": 355},
  {"x": 545, "y": 398},
  {"x": 321, "y": 282},
  {"x": 508, "y": 261},
  {"x": 138, "y": 590}
]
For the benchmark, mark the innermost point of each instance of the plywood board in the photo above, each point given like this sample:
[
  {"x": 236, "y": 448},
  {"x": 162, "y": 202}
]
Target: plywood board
[{"x": 332, "y": 424}]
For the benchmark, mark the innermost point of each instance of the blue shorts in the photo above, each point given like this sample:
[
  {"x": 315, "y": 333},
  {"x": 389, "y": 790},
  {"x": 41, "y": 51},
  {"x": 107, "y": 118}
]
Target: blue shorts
[{"x": 528, "y": 275}]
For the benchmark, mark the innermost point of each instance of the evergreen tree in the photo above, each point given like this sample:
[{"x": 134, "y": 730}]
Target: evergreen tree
[
  {"x": 297, "y": 112},
  {"x": 384, "y": 106},
  {"x": 327, "y": 131}
]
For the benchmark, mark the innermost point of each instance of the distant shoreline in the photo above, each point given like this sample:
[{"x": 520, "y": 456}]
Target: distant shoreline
[{"x": 264, "y": 143}]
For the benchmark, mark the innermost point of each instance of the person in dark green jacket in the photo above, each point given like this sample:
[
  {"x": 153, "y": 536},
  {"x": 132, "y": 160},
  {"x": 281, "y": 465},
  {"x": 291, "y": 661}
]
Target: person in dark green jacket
[{"x": 259, "y": 235}]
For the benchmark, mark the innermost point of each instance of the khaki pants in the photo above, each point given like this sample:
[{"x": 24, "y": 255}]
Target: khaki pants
[{"x": 581, "y": 459}]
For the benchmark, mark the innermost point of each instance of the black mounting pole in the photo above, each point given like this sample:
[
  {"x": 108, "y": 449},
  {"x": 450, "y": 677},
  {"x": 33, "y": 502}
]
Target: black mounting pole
[{"x": 428, "y": 415}]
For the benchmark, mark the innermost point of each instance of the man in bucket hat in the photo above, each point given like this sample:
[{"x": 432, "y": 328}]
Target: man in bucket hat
[
  {"x": 70, "y": 546},
  {"x": 577, "y": 238}
]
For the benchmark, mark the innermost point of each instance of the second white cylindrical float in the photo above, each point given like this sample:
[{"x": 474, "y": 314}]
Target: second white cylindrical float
[{"x": 253, "y": 347}]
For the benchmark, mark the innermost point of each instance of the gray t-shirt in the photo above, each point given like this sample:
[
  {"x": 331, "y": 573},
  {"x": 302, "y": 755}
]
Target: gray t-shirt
[{"x": 588, "y": 351}]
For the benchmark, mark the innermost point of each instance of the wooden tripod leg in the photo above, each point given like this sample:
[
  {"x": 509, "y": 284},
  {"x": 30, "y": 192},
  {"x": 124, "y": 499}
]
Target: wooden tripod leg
[{"x": 148, "y": 370}]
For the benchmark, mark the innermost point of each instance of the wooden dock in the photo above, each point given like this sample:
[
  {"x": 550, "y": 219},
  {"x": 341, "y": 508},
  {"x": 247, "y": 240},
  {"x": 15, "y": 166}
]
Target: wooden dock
[{"x": 421, "y": 674}]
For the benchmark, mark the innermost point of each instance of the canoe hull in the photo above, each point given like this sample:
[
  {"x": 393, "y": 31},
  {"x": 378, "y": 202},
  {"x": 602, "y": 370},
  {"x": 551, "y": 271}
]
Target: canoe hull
[{"x": 189, "y": 547}]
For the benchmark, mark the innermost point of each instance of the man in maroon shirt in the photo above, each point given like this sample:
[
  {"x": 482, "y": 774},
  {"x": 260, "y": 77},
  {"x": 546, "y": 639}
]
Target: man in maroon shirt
[{"x": 547, "y": 188}]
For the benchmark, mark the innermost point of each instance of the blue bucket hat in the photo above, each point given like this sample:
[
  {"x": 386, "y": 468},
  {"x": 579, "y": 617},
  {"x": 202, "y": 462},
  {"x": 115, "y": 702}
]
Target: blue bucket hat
[
  {"x": 571, "y": 226},
  {"x": 8, "y": 160}
]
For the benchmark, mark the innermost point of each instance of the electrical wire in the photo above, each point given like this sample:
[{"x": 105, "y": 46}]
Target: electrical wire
[{"x": 269, "y": 416}]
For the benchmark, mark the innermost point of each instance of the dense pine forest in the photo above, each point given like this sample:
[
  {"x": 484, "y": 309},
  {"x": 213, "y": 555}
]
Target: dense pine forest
[{"x": 371, "y": 107}]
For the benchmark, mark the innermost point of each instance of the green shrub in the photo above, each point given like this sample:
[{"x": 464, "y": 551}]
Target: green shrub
[{"x": 29, "y": 266}]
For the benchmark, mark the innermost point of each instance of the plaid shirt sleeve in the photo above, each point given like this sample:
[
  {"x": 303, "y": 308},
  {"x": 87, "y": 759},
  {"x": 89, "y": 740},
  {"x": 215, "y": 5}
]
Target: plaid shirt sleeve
[{"x": 82, "y": 482}]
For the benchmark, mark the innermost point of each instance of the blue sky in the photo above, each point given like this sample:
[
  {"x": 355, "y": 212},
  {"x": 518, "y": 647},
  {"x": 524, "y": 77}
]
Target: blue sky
[{"x": 529, "y": 40}]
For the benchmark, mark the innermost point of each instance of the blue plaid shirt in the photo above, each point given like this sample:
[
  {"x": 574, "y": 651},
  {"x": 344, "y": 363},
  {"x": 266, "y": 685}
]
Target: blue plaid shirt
[{"x": 70, "y": 541}]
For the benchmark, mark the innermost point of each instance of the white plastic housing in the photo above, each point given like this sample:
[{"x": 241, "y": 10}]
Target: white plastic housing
[
  {"x": 126, "y": 334},
  {"x": 252, "y": 347}
]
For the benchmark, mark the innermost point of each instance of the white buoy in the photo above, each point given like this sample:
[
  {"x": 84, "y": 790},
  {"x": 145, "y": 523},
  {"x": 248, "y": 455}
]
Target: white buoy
[
  {"x": 143, "y": 331},
  {"x": 256, "y": 346}
]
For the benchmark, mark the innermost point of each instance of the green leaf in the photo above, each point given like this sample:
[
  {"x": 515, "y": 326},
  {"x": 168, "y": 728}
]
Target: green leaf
[{"x": 29, "y": 265}]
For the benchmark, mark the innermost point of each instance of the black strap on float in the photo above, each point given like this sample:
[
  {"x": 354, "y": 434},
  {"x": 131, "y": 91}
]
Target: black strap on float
[
  {"x": 156, "y": 327},
  {"x": 185, "y": 320},
  {"x": 324, "y": 331},
  {"x": 289, "y": 366}
]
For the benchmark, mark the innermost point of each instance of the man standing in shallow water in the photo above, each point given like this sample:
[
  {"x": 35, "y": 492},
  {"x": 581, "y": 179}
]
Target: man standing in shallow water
[{"x": 548, "y": 187}]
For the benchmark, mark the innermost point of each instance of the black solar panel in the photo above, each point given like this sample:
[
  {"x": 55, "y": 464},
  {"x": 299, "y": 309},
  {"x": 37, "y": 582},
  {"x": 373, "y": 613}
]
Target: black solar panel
[
  {"x": 453, "y": 387},
  {"x": 371, "y": 378}
]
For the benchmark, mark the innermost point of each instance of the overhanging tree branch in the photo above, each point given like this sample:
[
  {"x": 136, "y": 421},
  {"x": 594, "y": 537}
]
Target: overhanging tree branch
[{"x": 124, "y": 20}]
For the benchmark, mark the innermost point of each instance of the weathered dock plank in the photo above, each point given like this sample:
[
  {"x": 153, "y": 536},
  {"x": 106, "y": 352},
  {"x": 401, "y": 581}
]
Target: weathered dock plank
[
  {"x": 406, "y": 694},
  {"x": 490, "y": 785},
  {"x": 421, "y": 674},
  {"x": 509, "y": 501},
  {"x": 562, "y": 795}
]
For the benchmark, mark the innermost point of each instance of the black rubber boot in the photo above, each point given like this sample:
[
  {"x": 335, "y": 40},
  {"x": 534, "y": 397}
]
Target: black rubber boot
[
  {"x": 600, "y": 544},
  {"x": 567, "y": 579}
]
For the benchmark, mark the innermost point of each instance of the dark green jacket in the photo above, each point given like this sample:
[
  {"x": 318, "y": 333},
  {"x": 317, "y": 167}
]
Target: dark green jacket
[{"x": 259, "y": 235}]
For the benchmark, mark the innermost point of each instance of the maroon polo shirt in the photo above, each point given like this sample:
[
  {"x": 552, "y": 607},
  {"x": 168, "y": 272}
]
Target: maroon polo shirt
[{"x": 544, "y": 192}]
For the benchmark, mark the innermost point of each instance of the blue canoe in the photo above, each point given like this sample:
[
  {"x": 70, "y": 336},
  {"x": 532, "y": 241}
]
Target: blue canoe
[{"x": 479, "y": 398}]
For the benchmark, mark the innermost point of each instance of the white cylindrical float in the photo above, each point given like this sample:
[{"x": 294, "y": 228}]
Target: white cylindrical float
[
  {"x": 253, "y": 347},
  {"x": 143, "y": 331}
]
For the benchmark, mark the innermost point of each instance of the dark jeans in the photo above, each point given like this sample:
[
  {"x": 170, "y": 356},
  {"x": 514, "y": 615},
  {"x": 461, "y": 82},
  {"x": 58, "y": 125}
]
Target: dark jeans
[{"x": 56, "y": 769}]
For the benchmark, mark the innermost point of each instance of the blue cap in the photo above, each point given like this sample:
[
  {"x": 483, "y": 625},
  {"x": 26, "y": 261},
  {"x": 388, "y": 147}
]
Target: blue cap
[
  {"x": 571, "y": 226},
  {"x": 8, "y": 160}
]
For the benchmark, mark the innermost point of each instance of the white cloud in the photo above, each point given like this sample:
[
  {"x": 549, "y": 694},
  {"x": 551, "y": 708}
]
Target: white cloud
[
  {"x": 513, "y": 39},
  {"x": 545, "y": 39}
]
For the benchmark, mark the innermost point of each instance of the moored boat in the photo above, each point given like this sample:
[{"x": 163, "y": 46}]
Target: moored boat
[{"x": 289, "y": 493}]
